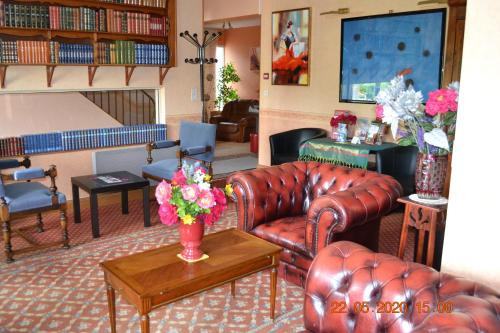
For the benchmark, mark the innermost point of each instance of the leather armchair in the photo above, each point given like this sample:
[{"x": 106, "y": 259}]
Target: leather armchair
[
  {"x": 304, "y": 206},
  {"x": 285, "y": 145},
  {"x": 237, "y": 121},
  {"x": 344, "y": 275}
]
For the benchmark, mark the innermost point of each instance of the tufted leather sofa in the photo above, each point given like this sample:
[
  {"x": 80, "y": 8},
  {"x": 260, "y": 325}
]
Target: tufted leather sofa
[
  {"x": 345, "y": 274},
  {"x": 304, "y": 206},
  {"x": 237, "y": 120}
]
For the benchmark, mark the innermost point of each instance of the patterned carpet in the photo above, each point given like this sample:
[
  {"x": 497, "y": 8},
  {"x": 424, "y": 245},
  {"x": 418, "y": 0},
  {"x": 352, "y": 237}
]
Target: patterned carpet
[{"x": 62, "y": 290}]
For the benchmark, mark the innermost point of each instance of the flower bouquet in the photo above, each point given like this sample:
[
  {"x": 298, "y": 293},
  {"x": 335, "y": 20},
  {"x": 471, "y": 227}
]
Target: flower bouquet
[
  {"x": 339, "y": 124},
  {"x": 431, "y": 128},
  {"x": 191, "y": 201}
]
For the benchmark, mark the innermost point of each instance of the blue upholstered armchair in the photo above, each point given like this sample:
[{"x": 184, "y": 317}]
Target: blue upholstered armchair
[
  {"x": 196, "y": 144},
  {"x": 20, "y": 197}
]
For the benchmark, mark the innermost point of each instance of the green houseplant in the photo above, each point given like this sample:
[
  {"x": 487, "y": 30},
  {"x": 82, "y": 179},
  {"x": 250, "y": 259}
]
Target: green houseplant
[{"x": 227, "y": 93}]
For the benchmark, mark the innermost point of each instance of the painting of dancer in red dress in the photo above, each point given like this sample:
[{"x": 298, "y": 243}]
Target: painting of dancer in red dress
[{"x": 291, "y": 33}]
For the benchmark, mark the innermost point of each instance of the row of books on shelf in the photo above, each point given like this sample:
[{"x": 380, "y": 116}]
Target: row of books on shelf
[
  {"x": 147, "y": 3},
  {"x": 68, "y": 53},
  {"x": 118, "y": 52},
  {"x": 80, "y": 19},
  {"x": 81, "y": 139},
  {"x": 127, "y": 52},
  {"x": 12, "y": 146}
]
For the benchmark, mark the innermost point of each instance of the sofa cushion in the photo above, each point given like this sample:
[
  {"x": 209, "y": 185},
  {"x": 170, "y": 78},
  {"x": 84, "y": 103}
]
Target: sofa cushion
[{"x": 288, "y": 232}]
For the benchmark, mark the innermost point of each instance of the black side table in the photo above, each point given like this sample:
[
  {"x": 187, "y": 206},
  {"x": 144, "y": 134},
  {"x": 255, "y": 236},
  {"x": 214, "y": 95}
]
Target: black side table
[{"x": 93, "y": 185}]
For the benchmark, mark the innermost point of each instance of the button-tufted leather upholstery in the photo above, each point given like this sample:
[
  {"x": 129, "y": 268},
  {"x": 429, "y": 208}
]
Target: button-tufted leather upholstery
[
  {"x": 304, "y": 206},
  {"x": 350, "y": 273}
]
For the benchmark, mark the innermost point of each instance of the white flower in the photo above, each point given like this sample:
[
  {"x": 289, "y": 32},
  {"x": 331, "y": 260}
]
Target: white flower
[
  {"x": 204, "y": 186},
  {"x": 438, "y": 138}
]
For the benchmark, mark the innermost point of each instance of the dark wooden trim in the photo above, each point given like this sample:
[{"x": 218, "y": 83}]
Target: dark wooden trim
[
  {"x": 129, "y": 70},
  {"x": 92, "y": 70},
  {"x": 163, "y": 74},
  {"x": 3, "y": 74},
  {"x": 50, "y": 74}
]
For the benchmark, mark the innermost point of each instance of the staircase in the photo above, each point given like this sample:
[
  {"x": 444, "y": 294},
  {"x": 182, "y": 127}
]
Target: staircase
[{"x": 129, "y": 107}]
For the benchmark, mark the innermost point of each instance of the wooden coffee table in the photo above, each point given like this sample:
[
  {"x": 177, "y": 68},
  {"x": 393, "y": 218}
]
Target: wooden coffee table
[{"x": 157, "y": 277}]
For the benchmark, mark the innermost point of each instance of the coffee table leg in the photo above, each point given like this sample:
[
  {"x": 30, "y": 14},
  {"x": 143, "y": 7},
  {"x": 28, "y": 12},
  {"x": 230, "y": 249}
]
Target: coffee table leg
[
  {"x": 94, "y": 215},
  {"x": 233, "y": 288},
  {"x": 76, "y": 204},
  {"x": 124, "y": 202},
  {"x": 145, "y": 206},
  {"x": 273, "y": 291},
  {"x": 111, "y": 307},
  {"x": 145, "y": 323}
]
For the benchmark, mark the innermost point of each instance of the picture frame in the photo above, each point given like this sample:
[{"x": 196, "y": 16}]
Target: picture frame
[
  {"x": 291, "y": 45},
  {"x": 375, "y": 131},
  {"x": 376, "y": 48}
]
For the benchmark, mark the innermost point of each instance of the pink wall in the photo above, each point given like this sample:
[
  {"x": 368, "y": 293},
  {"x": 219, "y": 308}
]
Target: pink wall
[
  {"x": 221, "y": 9},
  {"x": 237, "y": 45}
]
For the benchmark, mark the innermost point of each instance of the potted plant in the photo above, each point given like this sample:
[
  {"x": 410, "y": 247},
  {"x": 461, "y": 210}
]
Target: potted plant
[
  {"x": 226, "y": 93},
  {"x": 190, "y": 201},
  {"x": 430, "y": 127}
]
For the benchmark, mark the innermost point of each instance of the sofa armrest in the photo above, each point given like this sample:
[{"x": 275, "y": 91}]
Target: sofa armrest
[
  {"x": 332, "y": 214},
  {"x": 217, "y": 119},
  {"x": 247, "y": 121}
]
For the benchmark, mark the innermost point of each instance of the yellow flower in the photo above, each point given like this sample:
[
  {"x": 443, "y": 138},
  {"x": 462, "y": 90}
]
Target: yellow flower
[
  {"x": 207, "y": 177},
  {"x": 188, "y": 219},
  {"x": 228, "y": 189}
]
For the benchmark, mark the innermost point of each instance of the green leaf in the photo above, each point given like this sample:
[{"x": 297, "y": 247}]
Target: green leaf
[{"x": 407, "y": 141}]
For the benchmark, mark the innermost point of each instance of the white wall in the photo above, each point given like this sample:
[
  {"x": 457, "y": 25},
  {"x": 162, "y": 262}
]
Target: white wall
[{"x": 471, "y": 244}]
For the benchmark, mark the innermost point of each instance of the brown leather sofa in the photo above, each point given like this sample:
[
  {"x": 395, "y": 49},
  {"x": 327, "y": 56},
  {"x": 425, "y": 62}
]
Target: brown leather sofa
[
  {"x": 237, "y": 121},
  {"x": 304, "y": 206},
  {"x": 344, "y": 275}
]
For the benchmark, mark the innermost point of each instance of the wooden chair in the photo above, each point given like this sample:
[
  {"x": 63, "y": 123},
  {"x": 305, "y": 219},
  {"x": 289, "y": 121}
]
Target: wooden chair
[
  {"x": 20, "y": 197},
  {"x": 196, "y": 145}
]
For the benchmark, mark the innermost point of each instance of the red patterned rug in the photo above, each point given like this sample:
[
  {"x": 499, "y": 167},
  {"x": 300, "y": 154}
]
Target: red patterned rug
[{"x": 60, "y": 290}]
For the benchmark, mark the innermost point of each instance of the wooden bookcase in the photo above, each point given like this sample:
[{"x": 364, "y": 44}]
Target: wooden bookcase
[{"x": 93, "y": 37}]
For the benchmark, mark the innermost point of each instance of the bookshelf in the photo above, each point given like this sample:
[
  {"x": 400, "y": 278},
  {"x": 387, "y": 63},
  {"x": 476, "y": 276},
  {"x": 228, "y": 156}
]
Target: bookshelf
[{"x": 91, "y": 33}]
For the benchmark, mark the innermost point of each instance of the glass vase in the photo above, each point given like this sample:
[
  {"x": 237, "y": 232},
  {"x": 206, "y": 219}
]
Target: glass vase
[{"x": 430, "y": 175}]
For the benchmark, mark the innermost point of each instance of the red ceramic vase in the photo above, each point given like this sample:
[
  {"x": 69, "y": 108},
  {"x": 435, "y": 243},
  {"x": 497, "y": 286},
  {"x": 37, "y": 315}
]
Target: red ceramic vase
[
  {"x": 191, "y": 236},
  {"x": 430, "y": 175}
]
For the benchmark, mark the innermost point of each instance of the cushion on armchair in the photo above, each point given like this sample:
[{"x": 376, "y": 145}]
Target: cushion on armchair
[
  {"x": 27, "y": 174},
  {"x": 237, "y": 120},
  {"x": 26, "y": 196}
]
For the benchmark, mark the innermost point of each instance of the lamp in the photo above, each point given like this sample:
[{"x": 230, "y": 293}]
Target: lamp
[{"x": 201, "y": 60}]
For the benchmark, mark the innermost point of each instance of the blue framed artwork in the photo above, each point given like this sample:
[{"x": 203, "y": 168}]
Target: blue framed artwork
[{"x": 377, "y": 48}]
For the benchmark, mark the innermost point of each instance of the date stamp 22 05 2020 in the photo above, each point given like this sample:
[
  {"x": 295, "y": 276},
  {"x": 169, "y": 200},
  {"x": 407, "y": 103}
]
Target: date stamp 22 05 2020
[{"x": 392, "y": 307}]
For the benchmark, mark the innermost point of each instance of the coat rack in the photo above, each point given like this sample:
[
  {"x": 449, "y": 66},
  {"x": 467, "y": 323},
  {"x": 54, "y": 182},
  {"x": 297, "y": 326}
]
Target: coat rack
[{"x": 202, "y": 61}]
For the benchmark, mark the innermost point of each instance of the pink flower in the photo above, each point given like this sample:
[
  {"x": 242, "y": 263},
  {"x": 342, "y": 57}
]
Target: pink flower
[
  {"x": 441, "y": 101},
  {"x": 168, "y": 214},
  {"x": 220, "y": 197},
  {"x": 190, "y": 192},
  {"x": 201, "y": 169},
  {"x": 179, "y": 178},
  {"x": 163, "y": 192},
  {"x": 379, "y": 112},
  {"x": 206, "y": 199}
]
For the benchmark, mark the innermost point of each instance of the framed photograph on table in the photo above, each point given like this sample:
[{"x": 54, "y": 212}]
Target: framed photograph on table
[
  {"x": 374, "y": 49},
  {"x": 291, "y": 31},
  {"x": 374, "y": 131}
]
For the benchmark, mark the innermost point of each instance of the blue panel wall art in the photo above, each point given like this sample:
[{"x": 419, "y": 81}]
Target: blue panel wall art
[{"x": 377, "y": 48}]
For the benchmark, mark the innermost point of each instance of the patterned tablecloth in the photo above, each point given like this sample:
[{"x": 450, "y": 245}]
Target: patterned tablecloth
[{"x": 343, "y": 153}]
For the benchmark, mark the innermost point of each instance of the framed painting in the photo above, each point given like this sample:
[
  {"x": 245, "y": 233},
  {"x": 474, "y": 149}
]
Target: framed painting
[
  {"x": 377, "y": 48},
  {"x": 291, "y": 31}
]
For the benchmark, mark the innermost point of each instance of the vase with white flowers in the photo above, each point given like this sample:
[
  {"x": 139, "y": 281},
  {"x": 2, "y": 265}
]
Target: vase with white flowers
[
  {"x": 191, "y": 201},
  {"x": 431, "y": 127}
]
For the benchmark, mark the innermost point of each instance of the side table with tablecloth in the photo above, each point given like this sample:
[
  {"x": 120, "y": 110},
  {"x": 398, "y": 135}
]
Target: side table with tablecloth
[{"x": 343, "y": 153}]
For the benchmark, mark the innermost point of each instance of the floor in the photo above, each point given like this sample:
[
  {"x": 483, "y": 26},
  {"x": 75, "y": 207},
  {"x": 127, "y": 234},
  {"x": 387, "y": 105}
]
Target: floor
[{"x": 60, "y": 290}]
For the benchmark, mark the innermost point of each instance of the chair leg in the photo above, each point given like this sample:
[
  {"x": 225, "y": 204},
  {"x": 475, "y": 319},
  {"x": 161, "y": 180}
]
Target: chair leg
[
  {"x": 64, "y": 227},
  {"x": 39, "y": 222},
  {"x": 6, "y": 239}
]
